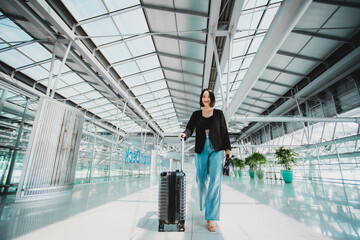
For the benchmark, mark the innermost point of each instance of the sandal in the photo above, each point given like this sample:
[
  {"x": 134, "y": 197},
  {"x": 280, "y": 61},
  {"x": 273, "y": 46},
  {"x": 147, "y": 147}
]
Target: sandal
[{"x": 211, "y": 226}]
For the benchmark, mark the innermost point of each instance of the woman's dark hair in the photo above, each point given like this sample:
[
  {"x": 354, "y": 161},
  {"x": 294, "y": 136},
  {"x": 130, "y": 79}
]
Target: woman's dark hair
[{"x": 212, "y": 97}]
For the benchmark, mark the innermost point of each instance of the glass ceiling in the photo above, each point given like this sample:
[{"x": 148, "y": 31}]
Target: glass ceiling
[
  {"x": 158, "y": 50},
  {"x": 119, "y": 30},
  {"x": 254, "y": 22}
]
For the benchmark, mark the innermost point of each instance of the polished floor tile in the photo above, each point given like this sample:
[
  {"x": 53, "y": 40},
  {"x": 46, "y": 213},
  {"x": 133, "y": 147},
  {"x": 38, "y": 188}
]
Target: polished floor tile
[{"x": 127, "y": 209}]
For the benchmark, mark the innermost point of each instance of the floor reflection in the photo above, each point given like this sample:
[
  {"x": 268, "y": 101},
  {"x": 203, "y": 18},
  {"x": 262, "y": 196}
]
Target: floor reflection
[
  {"x": 20, "y": 218},
  {"x": 330, "y": 209}
]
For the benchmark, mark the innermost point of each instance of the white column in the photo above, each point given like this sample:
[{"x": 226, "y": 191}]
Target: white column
[
  {"x": 171, "y": 164},
  {"x": 153, "y": 164}
]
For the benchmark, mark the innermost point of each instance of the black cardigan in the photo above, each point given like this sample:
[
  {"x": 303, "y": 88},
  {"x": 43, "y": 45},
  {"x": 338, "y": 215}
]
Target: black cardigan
[{"x": 218, "y": 134}]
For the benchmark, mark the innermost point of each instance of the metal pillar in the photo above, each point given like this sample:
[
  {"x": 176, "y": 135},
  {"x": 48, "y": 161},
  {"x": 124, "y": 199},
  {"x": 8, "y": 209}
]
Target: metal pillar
[
  {"x": 300, "y": 113},
  {"x": 111, "y": 155},
  {"x": 2, "y": 100},
  {"x": 231, "y": 38},
  {"x": 18, "y": 139},
  {"x": 51, "y": 70},
  {"x": 60, "y": 69},
  {"x": 216, "y": 56},
  {"x": 92, "y": 155}
]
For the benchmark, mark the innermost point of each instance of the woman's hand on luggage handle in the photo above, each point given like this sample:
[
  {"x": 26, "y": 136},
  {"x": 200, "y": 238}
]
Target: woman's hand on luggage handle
[{"x": 181, "y": 135}]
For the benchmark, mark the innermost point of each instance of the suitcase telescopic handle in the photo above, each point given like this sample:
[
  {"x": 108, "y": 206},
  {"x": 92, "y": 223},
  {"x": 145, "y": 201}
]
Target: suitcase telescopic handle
[{"x": 182, "y": 153}]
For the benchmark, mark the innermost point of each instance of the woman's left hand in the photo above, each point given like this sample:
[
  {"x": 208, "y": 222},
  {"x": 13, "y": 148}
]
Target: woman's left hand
[{"x": 228, "y": 152}]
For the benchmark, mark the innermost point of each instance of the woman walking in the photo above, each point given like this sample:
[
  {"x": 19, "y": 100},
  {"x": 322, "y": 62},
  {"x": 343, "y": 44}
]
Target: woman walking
[{"x": 212, "y": 139}]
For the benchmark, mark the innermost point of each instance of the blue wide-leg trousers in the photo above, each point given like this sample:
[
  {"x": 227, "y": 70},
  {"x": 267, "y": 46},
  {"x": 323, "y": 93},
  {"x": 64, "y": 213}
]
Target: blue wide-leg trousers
[{"x": 209, "y": 165}]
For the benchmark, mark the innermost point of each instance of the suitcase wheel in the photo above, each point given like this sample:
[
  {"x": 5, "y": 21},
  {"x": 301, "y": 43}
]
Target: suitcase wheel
[
  {"x": 161, "y": 226},
  {"x": 181, "y": 227}
]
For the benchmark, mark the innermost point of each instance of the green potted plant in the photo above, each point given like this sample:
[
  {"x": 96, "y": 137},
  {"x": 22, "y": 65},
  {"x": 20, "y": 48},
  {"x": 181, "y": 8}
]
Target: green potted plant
[
  {"x": 260, "y": 160},
  {"x": 239, "y": 164},
  {"x": 286, "y": 157},
  {"x": 251, "y": 162}
]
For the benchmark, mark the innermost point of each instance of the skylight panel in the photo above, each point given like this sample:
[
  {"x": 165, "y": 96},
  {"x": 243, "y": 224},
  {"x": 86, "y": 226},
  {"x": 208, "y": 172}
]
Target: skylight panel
[
  {"x": 154, "y": 86},
  {"x": 134, "y": 80},
  {"x": 71, "y": 78},
  {"x": 84, "y": 87},
  {"x": 253, "y": 4},
  {"x": 148, "y": 63},
  {"x": 153, "y": 75},
  {"x": 168, "y": 111},
  {"x": 103, "y": 114},
  {"x": 89, "y": 105},
  {"x": 68, "y": 92},
  {"x": 10, "y": 32},
  {"x": 56, "y": 67},
  {"x": 85, "y": 9},
  {"x": 146, "y": 98},
  {"x": 36, "y": 72},
  {"x": 239, "y": 47},
  {"x": 115, "y": 112},
  {"x": 14, "y": 58},
  {"x": 255, "y": 44},
  {"x": 93, "y": 95},
  {"x": 116, "y": 53},
  {"x": 116, "y": 5},
  {"x": 108, "y": 107},
  {"x": 101, "y": 101},
  {"x": 156, "y": 114},
  {"x": 131, "y": 22},
  {"x": 150, "y": 104},
  {"x": 79, "y": 100},
  {"x": 141, "y": 46},
  {"x": 162, "y": 95},
  {"x": 268, "y": 18},
  {"x": 153, "y": 109},
  {"x": 247, "y": 62},
  {"x": 166, "y": 106},
  {"x": 126, "y": 69},
  {"x": 140, "y": 90},
  {"x": 36, "y": 52},
  {"x": 97, "y": 110},
  {"x": 103, "y": 31}
]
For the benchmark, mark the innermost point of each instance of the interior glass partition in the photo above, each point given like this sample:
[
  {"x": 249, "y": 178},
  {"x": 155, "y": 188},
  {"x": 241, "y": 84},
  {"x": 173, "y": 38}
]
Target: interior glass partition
[
  {"x": 106, "y": 156},
  {"x": 17, "y": 113},
  {"x": 327, "y": 151}
]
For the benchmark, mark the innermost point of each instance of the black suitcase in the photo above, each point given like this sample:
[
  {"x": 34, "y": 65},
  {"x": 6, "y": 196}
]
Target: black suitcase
[{"x": 172, "y": 197}]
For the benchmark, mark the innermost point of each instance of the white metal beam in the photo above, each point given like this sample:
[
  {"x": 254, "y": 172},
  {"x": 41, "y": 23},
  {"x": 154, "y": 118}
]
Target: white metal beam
[
  {"x": 213, "y": 24},
  {"x": 287, "y": 17},
  {"x": 238, "y": 118},
  {"x": 235, "y": 16},
  {"x": 45, "y": 10},
  {"x": 338, "y": 71}
]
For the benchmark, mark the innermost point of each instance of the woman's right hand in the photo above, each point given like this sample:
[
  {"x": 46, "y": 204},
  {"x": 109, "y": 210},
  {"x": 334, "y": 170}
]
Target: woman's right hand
[{"x": 181, "y": 135}]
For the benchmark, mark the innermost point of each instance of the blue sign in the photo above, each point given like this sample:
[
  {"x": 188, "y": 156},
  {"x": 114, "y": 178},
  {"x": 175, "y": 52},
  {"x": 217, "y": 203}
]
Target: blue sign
[
  {"x": 165, "y": 163},
  {"x": 136, "y": 157}
]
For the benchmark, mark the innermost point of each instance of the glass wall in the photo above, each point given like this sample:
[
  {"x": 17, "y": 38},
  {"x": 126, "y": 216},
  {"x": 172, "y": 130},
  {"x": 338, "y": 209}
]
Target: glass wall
[
  {"x": 17, "y": 114},
  {"x": 105, "y": 156},
  {"x": 326, "y": 151}
]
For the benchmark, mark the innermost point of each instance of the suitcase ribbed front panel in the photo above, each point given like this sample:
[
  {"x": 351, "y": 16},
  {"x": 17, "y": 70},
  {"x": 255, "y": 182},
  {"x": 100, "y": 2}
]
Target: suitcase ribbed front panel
[{"x": 163, "y": 198}]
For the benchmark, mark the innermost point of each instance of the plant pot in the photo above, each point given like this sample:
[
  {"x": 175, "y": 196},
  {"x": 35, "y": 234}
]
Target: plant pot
[
  {"x": 239, "y": 173},
  {"x": 251, "y": 173},
  {"x": 260, "y": 174},
  {"x": 287, "y": 175}
]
